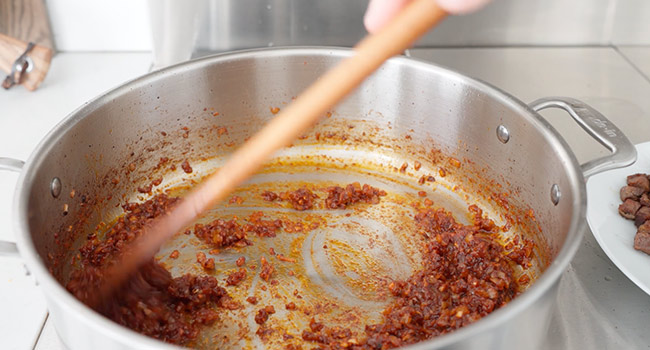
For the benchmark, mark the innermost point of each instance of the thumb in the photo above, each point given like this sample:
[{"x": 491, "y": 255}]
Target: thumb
[
  {"x": 380, "y": 12},
  {"x": 459, "y": 7}
]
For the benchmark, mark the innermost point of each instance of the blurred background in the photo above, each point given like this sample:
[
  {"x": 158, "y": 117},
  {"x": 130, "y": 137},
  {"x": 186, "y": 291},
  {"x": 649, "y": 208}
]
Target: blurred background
[{"x": 176, "y": 30}]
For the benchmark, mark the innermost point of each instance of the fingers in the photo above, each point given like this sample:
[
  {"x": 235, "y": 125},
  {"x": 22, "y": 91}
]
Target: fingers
[
  {"x": 380, "y": 12},
  {"x": 459, "y": 7}
]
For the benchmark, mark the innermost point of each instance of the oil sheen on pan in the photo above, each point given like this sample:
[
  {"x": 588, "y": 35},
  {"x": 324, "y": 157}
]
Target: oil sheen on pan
[{"x": 309, "y": 254}]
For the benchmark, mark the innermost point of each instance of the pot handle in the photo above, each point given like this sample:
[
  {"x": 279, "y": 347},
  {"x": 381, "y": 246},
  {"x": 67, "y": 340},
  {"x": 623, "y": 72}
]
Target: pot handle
[
  {"x": 10, "y": 248},
  {"x": 600, "y": 128}
]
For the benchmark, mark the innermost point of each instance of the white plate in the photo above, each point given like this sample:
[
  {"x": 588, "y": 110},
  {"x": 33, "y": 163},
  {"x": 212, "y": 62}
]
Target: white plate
[{"x": 614, "y": 233}]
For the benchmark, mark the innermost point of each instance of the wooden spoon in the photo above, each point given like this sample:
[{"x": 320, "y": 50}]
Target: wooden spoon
[{"x": 411, "y": 23}]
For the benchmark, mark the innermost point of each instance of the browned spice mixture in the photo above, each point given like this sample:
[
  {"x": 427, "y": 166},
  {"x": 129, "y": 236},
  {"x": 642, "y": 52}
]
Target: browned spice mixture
[
  {"x": 267, "y": 269},
  {"x": 263, "y": 314},
  {"x": 127, "y": 228},
  {"x": 225, "y": 233},
  {"x": 162, "y": 161},
  {"x": 235, "y": 278},
  {"x": 240, "y": 261},
  {"x": 151, "y": 302},
  {"x": 236, "y": 200},
  {"x": 187, "y": 168},
  {"x": 298, "y": 226},
  {"x": 222, "y": 233},
  {"x": 465, "y": 276},
  {"x": 262, "y": 228},
  {"x": 170, "y": 309},
  {"x": 144, "y": 189},
  {"x": 157, "y": 181},
  {"x": 264, "y": 332},
  {"x": 300, "y": 199},
  {"x": 269, "y": 196},
  {"x": 341, "y": 198},
  {"x": 285, "y": 258},
  {"x": 206, "y": 263},
  {"x": 338, "y": 197}
]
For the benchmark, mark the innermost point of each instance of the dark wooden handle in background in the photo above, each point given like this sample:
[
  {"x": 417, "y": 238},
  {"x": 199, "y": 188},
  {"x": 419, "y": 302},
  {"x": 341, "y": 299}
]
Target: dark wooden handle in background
[
  {"x": 22, "y": 21},
  {"x": 11, "y": 49}
]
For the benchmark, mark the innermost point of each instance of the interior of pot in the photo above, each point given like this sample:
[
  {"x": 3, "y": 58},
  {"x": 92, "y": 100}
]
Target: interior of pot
[{"x": 407, "y": 113}]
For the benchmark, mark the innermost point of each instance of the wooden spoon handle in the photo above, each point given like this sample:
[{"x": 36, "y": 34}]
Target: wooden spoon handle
[
  {"x": 305, "y": 111},
  {"x": 11, "y": 49},
  {"x": 313, "y": 103}
]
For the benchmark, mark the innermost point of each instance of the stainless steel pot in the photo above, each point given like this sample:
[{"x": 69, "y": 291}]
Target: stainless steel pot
[{"x": 499, "y": 138}]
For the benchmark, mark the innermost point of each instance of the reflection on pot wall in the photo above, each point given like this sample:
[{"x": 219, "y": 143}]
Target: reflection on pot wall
[{"x": 228, "y": 25}]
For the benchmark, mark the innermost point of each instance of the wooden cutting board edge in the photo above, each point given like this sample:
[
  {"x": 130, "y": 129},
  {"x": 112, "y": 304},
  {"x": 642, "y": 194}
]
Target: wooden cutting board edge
[{"x": 26, "y": 20}]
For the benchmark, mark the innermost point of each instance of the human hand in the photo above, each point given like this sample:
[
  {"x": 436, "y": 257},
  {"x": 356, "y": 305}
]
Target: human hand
[{"x": 380, "y": 12}]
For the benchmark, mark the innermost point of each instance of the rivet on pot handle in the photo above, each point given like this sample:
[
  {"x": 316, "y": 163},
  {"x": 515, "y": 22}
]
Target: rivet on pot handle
[
  {"x": 9, "y": 248},
  {"x": 600, "y": 128}
]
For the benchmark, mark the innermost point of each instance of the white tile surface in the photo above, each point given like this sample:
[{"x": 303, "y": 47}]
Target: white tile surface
[
  {"x": 25, "y": 118},
  {"x": 639, "y": 56},
  {"x": 630, "y": 26},
  {"x": 23, "y": 307},
  {"x": 48, "y": 339}
]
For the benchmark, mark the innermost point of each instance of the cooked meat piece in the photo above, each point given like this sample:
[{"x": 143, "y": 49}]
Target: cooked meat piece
[
  {"x": 641, "y": 216},
  {"x": 629, "y": 208},
  {"x": 640, "y": 181},
  {"x": 630, "y": 192},
  {"x": 642, "y": 238},
  {"x": 645, "y": 200}
]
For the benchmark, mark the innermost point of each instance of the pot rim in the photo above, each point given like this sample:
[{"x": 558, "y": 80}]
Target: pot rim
[{"x": 54, "y": 290}]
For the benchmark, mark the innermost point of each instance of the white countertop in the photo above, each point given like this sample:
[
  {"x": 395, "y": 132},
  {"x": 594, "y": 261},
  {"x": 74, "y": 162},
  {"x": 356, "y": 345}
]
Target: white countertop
[{"x": 613, "y": 80}]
